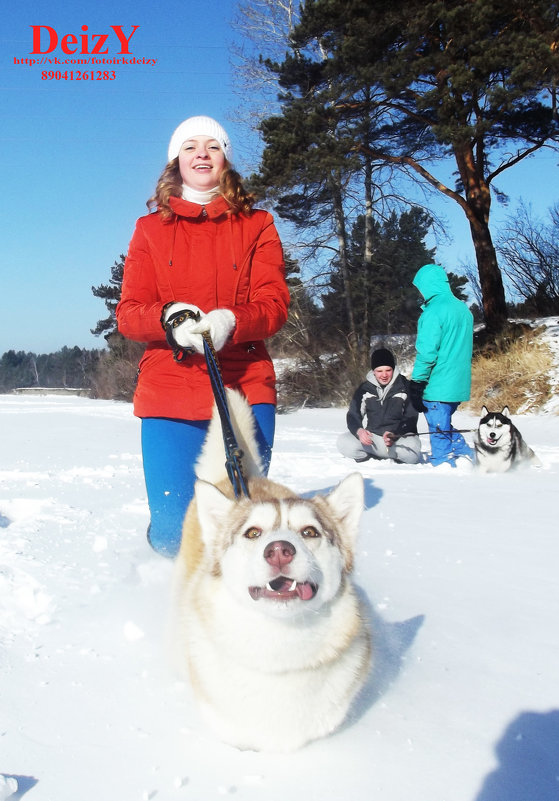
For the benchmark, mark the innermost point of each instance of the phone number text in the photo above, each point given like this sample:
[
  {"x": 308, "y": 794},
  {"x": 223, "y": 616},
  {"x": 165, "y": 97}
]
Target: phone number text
[{"x": 77, "y": 75}]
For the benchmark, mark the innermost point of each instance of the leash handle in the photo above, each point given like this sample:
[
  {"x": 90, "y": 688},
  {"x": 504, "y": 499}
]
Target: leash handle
[{"x": 180, "y": 354}]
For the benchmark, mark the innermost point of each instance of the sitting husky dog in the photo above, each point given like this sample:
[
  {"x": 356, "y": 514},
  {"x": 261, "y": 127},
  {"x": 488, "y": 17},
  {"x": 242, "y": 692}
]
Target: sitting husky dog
[
  {"x": 266, "y": 621},
  {"x": 499, "y": 445}
]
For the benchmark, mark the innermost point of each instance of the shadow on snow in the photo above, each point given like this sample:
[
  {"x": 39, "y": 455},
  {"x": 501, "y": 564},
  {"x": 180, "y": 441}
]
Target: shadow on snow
[{"x": 528, "y": 754}]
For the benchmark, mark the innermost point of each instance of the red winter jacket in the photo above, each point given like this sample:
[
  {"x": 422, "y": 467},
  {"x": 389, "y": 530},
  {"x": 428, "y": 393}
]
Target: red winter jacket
[{"x": 213, "y": 259}]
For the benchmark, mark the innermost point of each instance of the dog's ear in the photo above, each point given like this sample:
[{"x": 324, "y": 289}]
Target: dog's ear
[
  {"x": 505, "y": 411},
  {"x": 213, "y": 507},
  {"x": 484, "y": 411},
  {"x": 346, "y": 503}
]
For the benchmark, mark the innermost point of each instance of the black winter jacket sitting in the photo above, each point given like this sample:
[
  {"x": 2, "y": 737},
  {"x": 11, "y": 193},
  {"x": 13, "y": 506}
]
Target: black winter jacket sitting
[{"x": 379, "y": 409}]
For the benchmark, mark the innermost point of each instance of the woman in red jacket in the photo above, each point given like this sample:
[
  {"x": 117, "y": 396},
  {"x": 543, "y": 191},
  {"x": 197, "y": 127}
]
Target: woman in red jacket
[{"x": 204, "y": 249}]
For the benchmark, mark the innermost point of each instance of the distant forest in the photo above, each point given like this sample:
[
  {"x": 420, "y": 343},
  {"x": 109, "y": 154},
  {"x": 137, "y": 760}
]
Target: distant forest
[
  {"x": 109, "y": 373},
  {"x": 68, "y": 367}
]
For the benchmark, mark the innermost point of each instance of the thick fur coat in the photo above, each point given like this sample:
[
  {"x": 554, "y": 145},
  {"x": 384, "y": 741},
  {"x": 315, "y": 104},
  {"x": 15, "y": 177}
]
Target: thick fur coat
[{"x": 267, "y": 623}]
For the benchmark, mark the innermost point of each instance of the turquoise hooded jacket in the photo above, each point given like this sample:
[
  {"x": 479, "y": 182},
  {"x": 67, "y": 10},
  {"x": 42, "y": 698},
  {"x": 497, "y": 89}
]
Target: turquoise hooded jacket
[{"x": 444, "y": 339}]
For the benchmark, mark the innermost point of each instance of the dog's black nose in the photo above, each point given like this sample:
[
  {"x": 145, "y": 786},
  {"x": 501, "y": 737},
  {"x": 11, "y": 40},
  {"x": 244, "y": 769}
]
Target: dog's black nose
[{"x": 279, "y": 553}]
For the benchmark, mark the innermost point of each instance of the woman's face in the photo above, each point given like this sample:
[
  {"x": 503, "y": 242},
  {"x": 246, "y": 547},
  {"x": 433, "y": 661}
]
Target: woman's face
[
  {"x": 201, "y": 162},
  {"x": 383, "y": 375}
]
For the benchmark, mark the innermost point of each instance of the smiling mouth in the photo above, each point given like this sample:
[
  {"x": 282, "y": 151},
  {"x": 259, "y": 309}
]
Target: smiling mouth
[{"x": 283, "y": 588}]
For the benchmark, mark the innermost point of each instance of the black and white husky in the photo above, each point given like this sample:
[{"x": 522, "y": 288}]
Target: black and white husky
[{"x": 499, "y": 445}]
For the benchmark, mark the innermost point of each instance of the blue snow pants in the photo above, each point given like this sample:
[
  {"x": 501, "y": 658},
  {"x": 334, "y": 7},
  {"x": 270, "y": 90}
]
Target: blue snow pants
[
  {"x": 170, "y": 449},
  {"x": 447, "y": 444}
]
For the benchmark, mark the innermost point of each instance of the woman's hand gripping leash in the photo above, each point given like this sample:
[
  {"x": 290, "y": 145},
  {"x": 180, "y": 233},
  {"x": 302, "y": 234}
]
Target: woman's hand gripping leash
[
  {"x": 187, "y": 332},
  {"x": 185, "y": 325}
]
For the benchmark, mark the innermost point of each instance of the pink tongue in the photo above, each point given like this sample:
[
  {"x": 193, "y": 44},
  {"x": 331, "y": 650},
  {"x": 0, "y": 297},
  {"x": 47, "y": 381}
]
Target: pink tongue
[{"x": 305, "y": 591}]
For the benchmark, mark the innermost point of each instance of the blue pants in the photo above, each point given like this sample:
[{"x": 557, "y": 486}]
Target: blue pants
[
  {"x": 170, "y": 449},
  {"x": 446, "y": 442}
]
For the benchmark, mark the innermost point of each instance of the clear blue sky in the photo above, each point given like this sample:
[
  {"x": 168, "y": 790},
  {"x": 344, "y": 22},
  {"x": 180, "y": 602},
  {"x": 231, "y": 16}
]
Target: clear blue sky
[{"x": 78, "y": 159}]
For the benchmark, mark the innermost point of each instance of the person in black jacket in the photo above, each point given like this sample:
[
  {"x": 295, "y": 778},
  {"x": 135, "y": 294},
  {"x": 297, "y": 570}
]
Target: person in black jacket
[{"x": 382, "y": 421}]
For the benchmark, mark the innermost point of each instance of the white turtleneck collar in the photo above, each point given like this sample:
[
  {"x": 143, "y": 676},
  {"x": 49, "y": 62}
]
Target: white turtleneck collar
[{"x": 195, "y": 196}]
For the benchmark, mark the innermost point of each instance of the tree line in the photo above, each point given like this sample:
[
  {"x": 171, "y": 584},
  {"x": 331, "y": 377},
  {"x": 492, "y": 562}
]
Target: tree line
[
  {"x": 316, "y": 333},
  {"x": 69, "y": 367},
  {"x": 105, "y": 372}
]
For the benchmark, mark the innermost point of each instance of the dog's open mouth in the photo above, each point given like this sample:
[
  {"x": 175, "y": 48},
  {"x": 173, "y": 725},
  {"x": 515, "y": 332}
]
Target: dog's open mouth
[{"x": 285, "y": 589}]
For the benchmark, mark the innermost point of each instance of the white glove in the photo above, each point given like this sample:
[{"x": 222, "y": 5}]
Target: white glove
[
  {"x": 180, "y": 333},
  {"x": 219, "y": 323}
]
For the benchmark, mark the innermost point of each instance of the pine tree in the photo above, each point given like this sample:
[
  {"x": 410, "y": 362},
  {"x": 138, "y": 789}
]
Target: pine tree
[
  {"x": 473, "y": 80},
  {"x": 110, "y": 293},
  {"x": 384, "y": 299},
  {"x": 116, "y": 371},
  {"x": 313, "y": 170}
]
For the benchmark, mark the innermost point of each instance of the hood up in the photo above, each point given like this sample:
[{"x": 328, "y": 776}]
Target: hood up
[{"x": 431, "y": 280}]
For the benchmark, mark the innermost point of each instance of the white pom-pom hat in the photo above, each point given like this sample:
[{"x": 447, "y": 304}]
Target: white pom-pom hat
[{"x": 199, "y": 126}]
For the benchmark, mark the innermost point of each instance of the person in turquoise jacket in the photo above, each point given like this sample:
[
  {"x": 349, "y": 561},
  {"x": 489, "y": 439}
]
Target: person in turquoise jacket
[{"x": 442, "y": 373}]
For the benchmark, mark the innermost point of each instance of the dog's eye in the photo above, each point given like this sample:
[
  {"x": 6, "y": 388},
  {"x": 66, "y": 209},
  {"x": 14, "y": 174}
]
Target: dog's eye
[
  {"x": 252, "y": 533},
  {"x": 310, "y": 531}
]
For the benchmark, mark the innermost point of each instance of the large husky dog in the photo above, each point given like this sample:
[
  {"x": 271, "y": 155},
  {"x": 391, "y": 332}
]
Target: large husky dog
[
  {"x": 499, "y": 445},
  {"x": 266, "y": 621}
]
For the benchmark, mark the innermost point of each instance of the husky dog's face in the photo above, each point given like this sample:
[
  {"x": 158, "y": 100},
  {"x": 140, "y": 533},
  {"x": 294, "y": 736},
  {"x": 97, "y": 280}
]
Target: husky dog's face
[
  {"x": 281, "y": 556},
  {"x": 494, "y": 428}
]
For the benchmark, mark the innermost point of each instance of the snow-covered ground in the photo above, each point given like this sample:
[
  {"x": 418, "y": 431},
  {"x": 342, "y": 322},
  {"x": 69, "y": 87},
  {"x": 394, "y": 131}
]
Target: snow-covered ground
[{"x": 461, "y": 572}]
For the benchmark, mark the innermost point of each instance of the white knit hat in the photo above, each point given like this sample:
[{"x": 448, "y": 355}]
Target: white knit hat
[{"x": 199, "y": 126}]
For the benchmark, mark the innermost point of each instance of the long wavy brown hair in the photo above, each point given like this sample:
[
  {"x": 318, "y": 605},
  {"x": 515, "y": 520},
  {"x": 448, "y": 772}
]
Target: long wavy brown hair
[{"x": 170, "y": 185}]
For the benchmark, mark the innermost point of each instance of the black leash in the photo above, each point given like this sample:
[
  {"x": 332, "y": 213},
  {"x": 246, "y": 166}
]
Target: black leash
[
  {"x": 437, "y": 430},
  {"x": 233, "y": 453}
]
